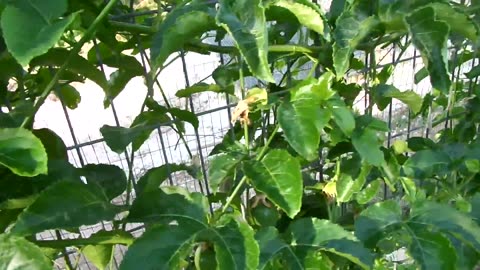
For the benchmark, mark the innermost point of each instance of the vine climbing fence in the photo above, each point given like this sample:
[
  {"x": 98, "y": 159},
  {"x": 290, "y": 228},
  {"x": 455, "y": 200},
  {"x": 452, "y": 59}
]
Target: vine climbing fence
[
  {"x": 214, "y": 112},
  {"x": 79, "y": 127}
]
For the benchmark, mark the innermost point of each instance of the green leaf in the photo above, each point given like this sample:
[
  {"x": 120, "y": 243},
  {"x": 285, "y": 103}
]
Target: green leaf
[
  {"x": 185, "y": 116},
  {"x": 458, "y": 21},
  {"x": 118, "y": 138},
  {"x": 22, "y": 152},
  {"x": 117, "y": 82},
  {"x": 222, "y": 166},
  {"x": 311, "y": 232},
  {"x": 204, "y": 87},
  {"x": 384, "y": 93},
  {"x": 112, "y": 57},
  {"x": 167, "y": 204},
  {"x": 7, "y": 217},
  {"x": 271, "y": 246},
  {"x": 56, "y": 57},
  {"x": 226, "y": 75},
  {"x": 179, "y": 27},
  {"x": 344, "y": 187},
  {"x": 302, "y": 119},
  {"x": 352, "y": 27},
  {"x": 176, "y": 113},
  {"x": 432, "y": 250},
  {"x": 234, "y": 242},
  {"x": 245, "y": 22},
  {"x": 109, "y": 178},
  {"x": 308, "y": 14},
  {"x": 154, "y": 177},
  {"x": 322, "y": 89},
  {"x": 430, "y": 36},
  {"x": 376, "y": 221},
  {"x": 54, "y": 145},
  {"x": 448, "y": 220},
  {"x": 475, "y": 211},
  {"x": 51, "y": 210},
  {"x": 235, "y": 245},
  {"x": 31, "y": 27},
  {"x": 277, "y": 176},
  {"x": 473, "y": 73},
  {"x": 369, "y": 192},
  {"x": 342, "y": 116},
  {"x": 367, "y": 145},
  {"x": 69, "y": 95},
  {"x": 347, "y": 187},
  {"x": 177, "y": 242},
  {"x": 18, "y": 253},
  {"x": 99, "y": 255},
  {"x": 426, "y": 162},
  {"x": 420, "y": 75}
]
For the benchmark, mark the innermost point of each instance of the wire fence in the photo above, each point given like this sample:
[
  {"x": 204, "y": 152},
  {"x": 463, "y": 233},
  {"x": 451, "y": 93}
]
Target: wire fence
[{"x": 164, "y": 145}]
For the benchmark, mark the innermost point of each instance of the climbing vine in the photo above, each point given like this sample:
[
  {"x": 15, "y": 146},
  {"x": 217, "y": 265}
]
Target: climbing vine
[{"x": 320, "y": 185}]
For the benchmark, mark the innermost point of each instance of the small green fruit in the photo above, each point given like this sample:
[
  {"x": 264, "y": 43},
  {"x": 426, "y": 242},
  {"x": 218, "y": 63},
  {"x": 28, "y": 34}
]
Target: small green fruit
[{"x": 265, "y": 216}]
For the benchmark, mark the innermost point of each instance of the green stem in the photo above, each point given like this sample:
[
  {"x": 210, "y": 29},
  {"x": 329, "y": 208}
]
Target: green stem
[
  {"x": 245, "y": 134},
  {"x": 94, "y": 240},
  {"x": 244, "y": 179},
  {"x": 265, "y": 147},
  {"x": 76, "y": 49}
]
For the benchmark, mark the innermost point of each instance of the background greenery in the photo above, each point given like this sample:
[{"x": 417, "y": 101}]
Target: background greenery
[{"x": 303, "y": 180}]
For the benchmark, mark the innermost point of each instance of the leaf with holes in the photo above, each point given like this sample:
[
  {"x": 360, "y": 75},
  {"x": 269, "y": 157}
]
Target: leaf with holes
[
  {"x": 27, "y": 22},
  {"x": 307, "y": 13},
  {"x": 430, "y": 36},
  {"x": 179, "y": 26},
  {"x": 51, "y": 210},
  {"x": 245, "y": 21},
  {"x": 18, "y": 253},
  {"x": 22, "y": 152},
  {"x": 278, "y": 176}
]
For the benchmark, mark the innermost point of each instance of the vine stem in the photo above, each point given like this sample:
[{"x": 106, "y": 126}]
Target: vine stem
[
  {"x": 76, "y": 49},
  {"x": 244, "y": 179}
]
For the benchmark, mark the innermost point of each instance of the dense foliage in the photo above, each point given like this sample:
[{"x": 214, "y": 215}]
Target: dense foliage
[{"x": 373, "y": 197}]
